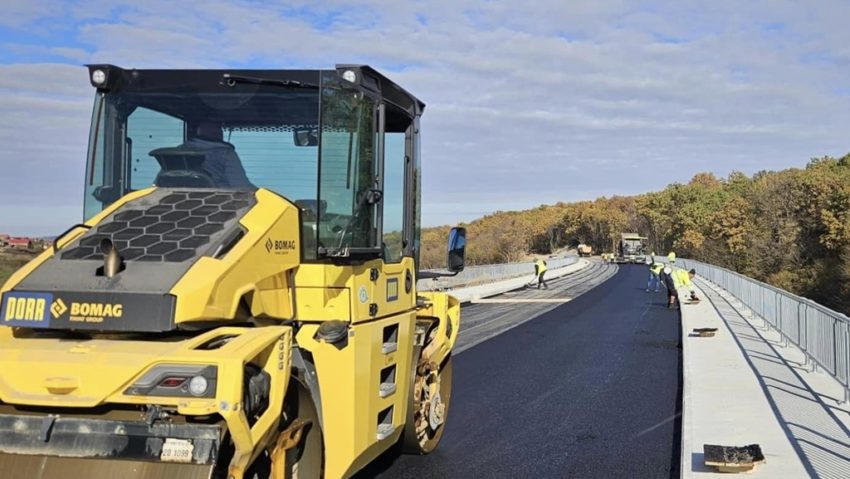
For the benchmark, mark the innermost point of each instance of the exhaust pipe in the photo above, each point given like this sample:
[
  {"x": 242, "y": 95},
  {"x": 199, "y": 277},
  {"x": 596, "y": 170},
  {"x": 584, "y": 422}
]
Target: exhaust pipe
[{"x": 112, "y": 262}]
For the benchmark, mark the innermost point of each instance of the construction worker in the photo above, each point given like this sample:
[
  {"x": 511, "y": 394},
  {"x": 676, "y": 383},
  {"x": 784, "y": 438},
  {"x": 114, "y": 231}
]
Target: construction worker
[
  {"x": 671, "y": 257},
  {"x": 667, "y": 280},
  {"x": 539, "y": 271},
  {"x": 676, "y": 279},
  {"x": 654, "y": 276}
]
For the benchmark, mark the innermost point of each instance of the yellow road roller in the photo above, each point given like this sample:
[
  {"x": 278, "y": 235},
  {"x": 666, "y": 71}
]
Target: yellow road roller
[{"x": 241, "y": 300}]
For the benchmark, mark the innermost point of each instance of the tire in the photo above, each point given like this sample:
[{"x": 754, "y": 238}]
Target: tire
[{"x": 422, "y": 412}]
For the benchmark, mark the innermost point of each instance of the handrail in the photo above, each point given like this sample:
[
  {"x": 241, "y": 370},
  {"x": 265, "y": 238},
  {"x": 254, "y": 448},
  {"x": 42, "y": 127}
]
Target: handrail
[{"x": 821, "y": 333}]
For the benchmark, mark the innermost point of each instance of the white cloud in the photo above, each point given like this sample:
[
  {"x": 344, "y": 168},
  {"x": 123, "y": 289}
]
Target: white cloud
[
  {"x": 20, "y": 13},
  {"x": 527, "y": 103}
]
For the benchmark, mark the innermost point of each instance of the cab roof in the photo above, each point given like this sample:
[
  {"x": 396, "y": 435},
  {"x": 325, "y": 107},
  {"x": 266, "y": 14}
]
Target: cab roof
[{"x": 117, "y": 79}]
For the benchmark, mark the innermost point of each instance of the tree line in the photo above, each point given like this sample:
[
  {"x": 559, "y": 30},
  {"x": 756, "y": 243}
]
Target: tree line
[{"x": 788, "y": 228}]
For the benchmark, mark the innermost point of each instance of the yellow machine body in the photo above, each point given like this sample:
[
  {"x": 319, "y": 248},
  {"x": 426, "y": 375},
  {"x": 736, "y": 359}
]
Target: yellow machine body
[
  {"x": 254, "y": 313},
  {"x": 362, "y": 413}
]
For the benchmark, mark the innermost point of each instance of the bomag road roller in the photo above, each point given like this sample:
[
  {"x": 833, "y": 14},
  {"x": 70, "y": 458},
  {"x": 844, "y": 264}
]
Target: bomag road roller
[{"x": 241, "y": 300}]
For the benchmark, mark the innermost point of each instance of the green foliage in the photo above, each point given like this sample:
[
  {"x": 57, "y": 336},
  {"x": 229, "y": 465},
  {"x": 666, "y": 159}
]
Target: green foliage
[
  {"x": 790, "y": 228},
  {"x": 11, "y": 261}
]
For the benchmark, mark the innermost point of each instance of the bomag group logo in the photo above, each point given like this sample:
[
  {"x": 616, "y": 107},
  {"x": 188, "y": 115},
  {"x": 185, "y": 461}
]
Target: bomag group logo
[
  {"x": 94, "y": 312},
  {"x": 280, "y": 246},
  {"x": 58, "y": 308}
]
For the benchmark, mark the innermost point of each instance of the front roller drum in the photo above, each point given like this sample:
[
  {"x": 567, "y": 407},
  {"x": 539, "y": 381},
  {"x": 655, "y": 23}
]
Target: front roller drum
[
  {"x": 298, "y": 450},
  {"x": 56, "y": 447},
  {"x": 15, "y": 466}
]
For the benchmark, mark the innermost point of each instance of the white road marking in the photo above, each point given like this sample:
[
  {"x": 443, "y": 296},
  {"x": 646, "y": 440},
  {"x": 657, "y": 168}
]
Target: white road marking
[{"x": 520, "y": 300}]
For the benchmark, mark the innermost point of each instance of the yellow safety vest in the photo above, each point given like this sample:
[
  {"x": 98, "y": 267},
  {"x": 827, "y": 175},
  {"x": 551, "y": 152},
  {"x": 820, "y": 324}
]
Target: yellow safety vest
[
  {"x": 657, "y": 267},
  {"x": 541, "y": 266},
  {"x": 671, "y": 257},
  {"x": 681, "y": 279}
]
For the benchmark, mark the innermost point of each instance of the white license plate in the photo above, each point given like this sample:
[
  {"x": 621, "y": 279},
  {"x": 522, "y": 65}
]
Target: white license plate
[{"x": 176, "y": 450}]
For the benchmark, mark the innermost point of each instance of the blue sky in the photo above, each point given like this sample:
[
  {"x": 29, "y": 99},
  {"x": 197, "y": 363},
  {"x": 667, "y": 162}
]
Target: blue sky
[{"x": 528, "y": 103}]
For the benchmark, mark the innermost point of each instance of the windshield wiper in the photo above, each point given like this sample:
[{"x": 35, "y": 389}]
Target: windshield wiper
[{"x": 232, "y": 80}]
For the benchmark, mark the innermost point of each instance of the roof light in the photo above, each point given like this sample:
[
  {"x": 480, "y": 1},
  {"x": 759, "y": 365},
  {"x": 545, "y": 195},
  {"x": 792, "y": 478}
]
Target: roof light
[
  {"x": 98, "y": 77},
  {"x": 349, "y": 76}
]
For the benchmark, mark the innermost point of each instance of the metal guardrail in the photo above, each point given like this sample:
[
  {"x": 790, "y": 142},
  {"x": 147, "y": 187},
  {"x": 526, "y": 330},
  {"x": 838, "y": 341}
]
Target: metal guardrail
[
  {"x": 474, "y": 275},
  {"x": 821, "y": 333}
]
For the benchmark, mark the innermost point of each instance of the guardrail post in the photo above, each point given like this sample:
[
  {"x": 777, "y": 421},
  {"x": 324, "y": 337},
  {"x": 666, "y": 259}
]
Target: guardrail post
[
  {"x": 799, "y": 330},
  {"x": 845, "y": 360},
  {"x": 782, "y": 330},
  {"x": 835, "y": 346}
]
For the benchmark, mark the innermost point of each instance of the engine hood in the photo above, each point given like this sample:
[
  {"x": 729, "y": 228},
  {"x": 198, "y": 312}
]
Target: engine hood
[{"x": 178, "y": 247}]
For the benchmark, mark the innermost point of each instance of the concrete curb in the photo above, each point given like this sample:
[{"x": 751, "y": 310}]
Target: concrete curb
[{"x": 465, "y": 295}]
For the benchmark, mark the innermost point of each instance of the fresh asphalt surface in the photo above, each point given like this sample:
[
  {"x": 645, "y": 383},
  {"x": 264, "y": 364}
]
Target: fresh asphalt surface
[{"x": 590, "y": 388}]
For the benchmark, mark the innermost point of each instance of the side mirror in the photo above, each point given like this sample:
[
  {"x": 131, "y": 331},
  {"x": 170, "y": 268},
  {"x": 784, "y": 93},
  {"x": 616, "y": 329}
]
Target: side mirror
[
  {"x": 457, "y": 245},
  {"x": 106, "y": 194}
]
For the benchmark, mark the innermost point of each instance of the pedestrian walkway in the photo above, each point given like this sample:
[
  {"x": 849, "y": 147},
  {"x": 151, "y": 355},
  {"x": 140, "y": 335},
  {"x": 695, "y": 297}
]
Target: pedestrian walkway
[{"x": 748, "y": 386}]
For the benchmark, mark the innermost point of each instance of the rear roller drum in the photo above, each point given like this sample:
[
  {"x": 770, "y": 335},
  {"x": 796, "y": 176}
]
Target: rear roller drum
[{"x": 431, "y": 393}]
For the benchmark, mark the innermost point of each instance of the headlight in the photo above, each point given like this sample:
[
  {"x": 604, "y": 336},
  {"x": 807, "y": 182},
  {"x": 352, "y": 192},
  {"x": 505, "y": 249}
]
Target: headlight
[
  {"x": 198, "y": 386},
  {"x": 176, "y": 380}
]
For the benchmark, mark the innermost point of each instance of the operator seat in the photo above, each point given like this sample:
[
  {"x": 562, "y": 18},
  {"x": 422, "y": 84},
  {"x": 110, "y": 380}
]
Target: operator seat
[
  {"x": 181, "y": 167},
  {"x": 204, "y": 160}
]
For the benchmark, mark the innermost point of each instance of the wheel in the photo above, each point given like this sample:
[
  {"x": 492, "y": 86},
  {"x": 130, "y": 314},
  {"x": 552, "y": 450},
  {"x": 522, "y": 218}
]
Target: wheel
[
  {"x": 298, "y": 451},
  {"x": 428, "y": 406}
]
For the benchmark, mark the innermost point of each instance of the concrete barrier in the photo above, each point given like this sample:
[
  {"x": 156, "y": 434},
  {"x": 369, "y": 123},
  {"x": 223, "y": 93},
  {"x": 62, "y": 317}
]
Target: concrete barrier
[
  {"x": 488, "y": 273},
  {"x": 471, "y": 293}
]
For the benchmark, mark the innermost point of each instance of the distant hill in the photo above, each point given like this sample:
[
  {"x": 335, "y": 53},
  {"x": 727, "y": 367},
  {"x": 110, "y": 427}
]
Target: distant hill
[{"x": 790, "y": 228}]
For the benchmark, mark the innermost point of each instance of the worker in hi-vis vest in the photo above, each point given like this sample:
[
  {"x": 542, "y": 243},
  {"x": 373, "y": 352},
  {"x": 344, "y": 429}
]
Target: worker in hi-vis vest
[
  {"x": 654, "y": 280},
  {"x": 671, "y": 257},
  {"x": 539, "y": 271},
  {"x": 675, "y": 280}
]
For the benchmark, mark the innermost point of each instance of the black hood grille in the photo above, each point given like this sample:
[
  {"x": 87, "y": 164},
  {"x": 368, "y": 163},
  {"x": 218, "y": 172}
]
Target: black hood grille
[{"x": 166, "y": 226}]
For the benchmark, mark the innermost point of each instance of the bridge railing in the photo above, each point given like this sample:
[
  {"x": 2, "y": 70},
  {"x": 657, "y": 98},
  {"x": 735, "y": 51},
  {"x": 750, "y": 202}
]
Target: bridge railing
[
  {"x": 821, "y": 333},
  {"x": 474, "y": 275}
]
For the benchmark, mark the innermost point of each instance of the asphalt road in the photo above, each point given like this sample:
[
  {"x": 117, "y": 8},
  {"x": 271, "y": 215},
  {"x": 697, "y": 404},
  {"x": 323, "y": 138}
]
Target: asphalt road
[
  {"x": 589, "y": 388},
  {"x": 489, "y": 317}
]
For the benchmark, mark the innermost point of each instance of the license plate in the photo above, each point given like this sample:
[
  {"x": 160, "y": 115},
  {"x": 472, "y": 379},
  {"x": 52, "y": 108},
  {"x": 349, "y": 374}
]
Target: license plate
[{"x": 176, "y": 450}]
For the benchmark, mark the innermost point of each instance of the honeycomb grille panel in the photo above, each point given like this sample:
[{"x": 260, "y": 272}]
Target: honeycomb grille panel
[{"x": 173, "y": 230}]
